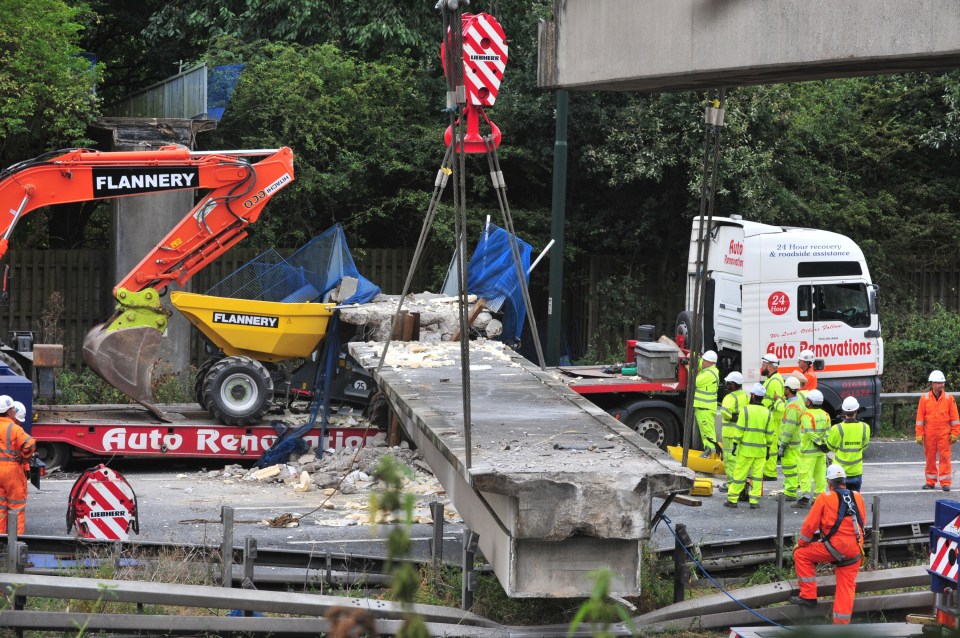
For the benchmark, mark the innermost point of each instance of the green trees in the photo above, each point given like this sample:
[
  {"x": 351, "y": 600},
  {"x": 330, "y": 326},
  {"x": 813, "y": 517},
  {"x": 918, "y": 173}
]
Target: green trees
[
  {"x": 364, "y": 151},
  {"x": 46, "y": 87}
]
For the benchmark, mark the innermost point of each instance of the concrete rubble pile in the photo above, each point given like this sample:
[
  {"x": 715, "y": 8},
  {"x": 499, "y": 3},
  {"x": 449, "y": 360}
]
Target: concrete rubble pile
[
  {"x": 342, "y": 482},
  {"x": 438, "y": 317}
]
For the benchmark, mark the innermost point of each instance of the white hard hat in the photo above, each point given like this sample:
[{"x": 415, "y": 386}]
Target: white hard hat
[
  {"x": 850, "y": 404},
  {"x": 710, "y": 356},
  {"x": 758, "y": 390},
  {"x": 21, "y": 411},
  {"x": 835, "y": 472},
  {"x": 5, "y": 403},
  {"x": 937, "y": 377},
  {"x": 815, "y": 396},
  {"x": 793, "y": 383},
  {"x": 805, "y": 355},
  {"x": 771, "y": 358},
  {"x": 734, "y": 377}
]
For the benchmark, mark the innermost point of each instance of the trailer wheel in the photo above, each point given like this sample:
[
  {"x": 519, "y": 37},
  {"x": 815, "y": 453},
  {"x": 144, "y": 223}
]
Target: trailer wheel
[
  {"x": 238, "y": 390},
  {"x": 201, "y": 377},
  {"x": 656, "y": 425},
  {"x": 53, "y": 454}
]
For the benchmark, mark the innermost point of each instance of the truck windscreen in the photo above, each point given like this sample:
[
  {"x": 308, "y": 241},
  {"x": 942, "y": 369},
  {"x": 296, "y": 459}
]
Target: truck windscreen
[{"x": 848, "y": 303}]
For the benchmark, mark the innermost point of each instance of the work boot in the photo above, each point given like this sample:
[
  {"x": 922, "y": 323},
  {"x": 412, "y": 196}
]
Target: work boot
[
  {"x": 723, "y": 487},
  {"x": 769, "y": 478},
  {"x": 706, "y": 454},
  {"x": 790, "y": 497},
  {"x": 730, "y": 504},
  {"x": 803, "y": 501},
  {"x": 946, "y": 488},
  {"x": 927, "y": 486},
  {"x": 803, "y": 602},
  {"x": 754, "y": 506}
]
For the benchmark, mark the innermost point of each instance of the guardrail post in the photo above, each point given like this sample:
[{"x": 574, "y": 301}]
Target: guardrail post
[
  {"x": 679, "y": 563},
  {"x": 12, "y": 519},
  {"x": 249, "y": 560},
  {"x": 469, "y": 580},
  {"x": 23, "y": 557},
  {"x": 226, "y": 549},
  {"x": 875, "y": 533},
  {"x": 781, "y": 502},
  {"x": 436, "y": 548}
]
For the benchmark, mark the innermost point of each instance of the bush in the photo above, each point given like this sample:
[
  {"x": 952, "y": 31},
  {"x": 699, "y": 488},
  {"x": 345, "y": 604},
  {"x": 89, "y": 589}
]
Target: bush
[
  {"x": 86, "y": 388},
  {"x": 917, "y": 343}
]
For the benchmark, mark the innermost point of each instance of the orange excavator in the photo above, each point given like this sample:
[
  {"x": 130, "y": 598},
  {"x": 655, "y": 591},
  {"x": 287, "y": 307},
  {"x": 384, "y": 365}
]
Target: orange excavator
[{"x": 124, "y": 349}]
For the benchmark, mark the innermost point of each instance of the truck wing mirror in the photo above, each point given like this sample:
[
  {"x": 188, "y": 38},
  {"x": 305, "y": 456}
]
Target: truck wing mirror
[{"x": 818, "y": 364}]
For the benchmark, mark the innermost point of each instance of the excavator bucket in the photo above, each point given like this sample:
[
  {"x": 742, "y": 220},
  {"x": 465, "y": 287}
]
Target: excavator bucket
[{"x": 125, "y": 359}]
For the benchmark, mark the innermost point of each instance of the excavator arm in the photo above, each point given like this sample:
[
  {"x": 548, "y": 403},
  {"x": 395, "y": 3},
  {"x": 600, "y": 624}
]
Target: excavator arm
[{"x": 125, "y": 348}]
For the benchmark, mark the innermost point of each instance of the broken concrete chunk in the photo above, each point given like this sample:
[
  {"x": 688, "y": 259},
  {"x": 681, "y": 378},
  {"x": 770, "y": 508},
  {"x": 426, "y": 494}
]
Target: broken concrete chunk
[{"x": 267, "y": 473}]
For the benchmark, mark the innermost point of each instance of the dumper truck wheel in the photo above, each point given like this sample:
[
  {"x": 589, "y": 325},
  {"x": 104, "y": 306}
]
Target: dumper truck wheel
[
  {"x": 238, "y": 390},
  {"x": 201, "y": 377},
  {"x": 655, "y": 425}
]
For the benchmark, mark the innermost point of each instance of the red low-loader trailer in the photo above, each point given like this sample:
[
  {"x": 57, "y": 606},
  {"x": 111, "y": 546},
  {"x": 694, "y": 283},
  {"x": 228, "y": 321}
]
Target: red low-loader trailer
[
  {"x": 649, "y": 398},
  {"x": 104, "y": 431}
]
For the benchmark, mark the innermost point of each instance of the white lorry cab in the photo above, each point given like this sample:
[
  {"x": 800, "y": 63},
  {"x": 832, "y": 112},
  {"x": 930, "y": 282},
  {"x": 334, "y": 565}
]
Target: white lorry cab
[{"x": 782, "y": 290}]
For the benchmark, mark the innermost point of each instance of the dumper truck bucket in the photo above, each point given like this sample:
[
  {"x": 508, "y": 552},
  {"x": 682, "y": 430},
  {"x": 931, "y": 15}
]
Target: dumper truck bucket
[
  {"x": 268, "y": 331},
  {"x": 125, "y": 359}
]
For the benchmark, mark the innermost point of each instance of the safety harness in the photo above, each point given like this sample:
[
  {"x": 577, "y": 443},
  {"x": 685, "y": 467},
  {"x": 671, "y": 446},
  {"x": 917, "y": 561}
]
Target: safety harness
[{"x": 846, "y": 507}]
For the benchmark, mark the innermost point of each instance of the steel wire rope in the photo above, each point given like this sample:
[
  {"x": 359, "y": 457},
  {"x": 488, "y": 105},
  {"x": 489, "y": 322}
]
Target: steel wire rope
[
  {"x": 500, "y": 187},
  {"x": 454, "y": 60},
  {"x": 665, "y": 519},
  {"x": 439, "y": 185}
]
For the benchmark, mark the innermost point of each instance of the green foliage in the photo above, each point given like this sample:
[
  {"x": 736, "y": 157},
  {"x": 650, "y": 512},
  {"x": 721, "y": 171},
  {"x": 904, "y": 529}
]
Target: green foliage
[
  {"x": 405, "y": 578},
  {"x": 656, "y": 584},
  {"x": 85, "y": 387},
  {"x": 46, "y": 87},
  {"x": 173, "y": 386},
  {"x": 361, "y": 152},
  {"x": 598, "y": 611},
  {"x": 917, "y": 343},
  {"x": 443, "y": 587},
  {"x": 390, "y": 27},
  {"x": 622, "y": 300}
]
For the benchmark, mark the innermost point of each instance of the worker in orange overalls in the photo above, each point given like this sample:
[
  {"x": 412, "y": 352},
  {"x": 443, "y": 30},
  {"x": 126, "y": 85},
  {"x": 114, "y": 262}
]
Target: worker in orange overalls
[
  {"x": 16, "y": 447},
  {"x": 937, "y": 429},
  {"x": 805, "y": 363},
  {"x": 838, "y": 515}
]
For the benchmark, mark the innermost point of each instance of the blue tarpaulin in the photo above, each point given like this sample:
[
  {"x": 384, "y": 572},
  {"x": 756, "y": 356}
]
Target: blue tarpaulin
[{"x": 492, "y": 276}]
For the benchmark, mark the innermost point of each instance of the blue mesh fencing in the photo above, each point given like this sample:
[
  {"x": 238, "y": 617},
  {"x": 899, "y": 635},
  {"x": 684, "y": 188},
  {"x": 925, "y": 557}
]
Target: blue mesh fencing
[{"x": 305, "y": 276}]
